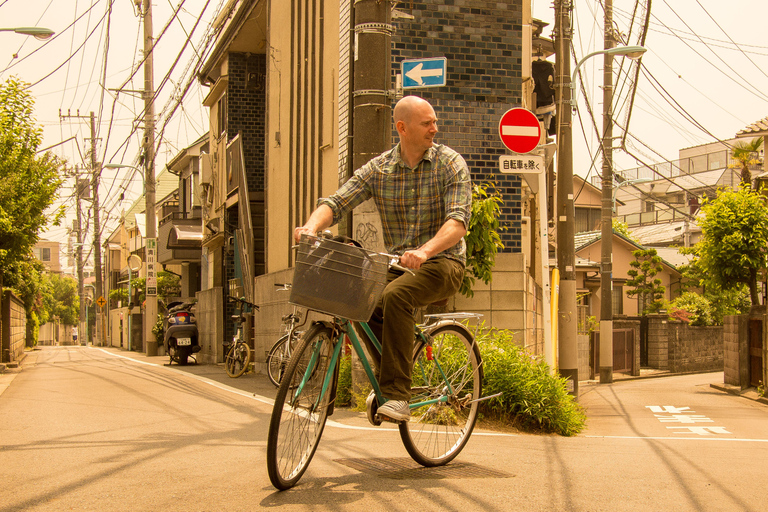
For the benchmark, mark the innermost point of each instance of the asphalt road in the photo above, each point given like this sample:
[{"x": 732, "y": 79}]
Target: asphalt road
[{"x": 85, "y": 428}]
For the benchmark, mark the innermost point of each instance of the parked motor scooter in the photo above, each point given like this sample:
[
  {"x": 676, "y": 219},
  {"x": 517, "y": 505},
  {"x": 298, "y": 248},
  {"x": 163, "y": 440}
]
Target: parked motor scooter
[{"x": 181, "y": 340}]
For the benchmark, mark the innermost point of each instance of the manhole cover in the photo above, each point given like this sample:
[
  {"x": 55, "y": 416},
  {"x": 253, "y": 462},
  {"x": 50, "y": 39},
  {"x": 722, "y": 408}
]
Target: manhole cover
[{"x": 405, "y": 468}]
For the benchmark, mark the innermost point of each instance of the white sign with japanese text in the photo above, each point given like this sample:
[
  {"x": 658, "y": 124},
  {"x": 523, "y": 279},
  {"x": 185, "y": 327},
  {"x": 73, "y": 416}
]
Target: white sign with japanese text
[{"x": 151, "y": 247}]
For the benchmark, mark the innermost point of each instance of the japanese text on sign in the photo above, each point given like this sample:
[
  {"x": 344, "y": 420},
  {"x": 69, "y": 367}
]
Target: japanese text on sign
[
  {"x": 151, "y": 266},
  {"x": 532, "y": 164}
]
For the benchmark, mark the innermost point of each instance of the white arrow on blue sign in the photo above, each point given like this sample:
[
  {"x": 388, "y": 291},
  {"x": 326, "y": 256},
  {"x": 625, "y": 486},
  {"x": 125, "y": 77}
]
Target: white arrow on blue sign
[{"x": 424, "y": 72}]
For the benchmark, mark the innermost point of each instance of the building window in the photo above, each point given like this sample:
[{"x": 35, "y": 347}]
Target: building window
[
  {"x": 587, "y": 219},
  {"x": 617, "y": 299}
]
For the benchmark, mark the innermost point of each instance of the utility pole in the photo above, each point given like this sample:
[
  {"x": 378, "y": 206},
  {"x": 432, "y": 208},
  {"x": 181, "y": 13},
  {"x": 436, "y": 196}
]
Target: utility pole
[
  {"x": 150, "y": 310},
  {"x": 606, "y": 244},
  {"x": 567, "y": 319},
  {"x": 80, "y": 281},
  {"x": 372, "y": 111},
  {"x": 96, "y": 169},
  {"x": 95, "y": 175}
]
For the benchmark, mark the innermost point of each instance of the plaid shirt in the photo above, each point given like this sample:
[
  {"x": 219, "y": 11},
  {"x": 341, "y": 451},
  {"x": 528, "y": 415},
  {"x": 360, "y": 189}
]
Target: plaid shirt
[{"x": 413, "y": 203}]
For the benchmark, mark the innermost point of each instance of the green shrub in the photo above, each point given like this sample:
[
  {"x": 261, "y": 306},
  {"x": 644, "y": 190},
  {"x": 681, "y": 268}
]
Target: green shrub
[
  {"x": 692, "y": 308},
  {"x": 532, "y": 398},
  {"x": 344, "y": 386}
]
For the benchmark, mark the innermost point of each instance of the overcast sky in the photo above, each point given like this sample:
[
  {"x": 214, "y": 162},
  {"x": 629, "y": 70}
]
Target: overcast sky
[{"x": 708, "y": 57}]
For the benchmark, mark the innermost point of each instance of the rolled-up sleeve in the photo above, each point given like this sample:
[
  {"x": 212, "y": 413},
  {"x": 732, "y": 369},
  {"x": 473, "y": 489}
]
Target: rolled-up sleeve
[
  {"x": 458, "y": 192},
  {"x": 356, "y": 190}
]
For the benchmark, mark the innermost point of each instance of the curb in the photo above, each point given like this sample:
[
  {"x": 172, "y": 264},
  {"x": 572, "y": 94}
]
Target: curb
[{"x": 749, "y": 393}]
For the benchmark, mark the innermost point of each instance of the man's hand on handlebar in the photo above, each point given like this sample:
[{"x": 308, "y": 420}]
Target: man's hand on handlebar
[{"x": 413, "y": 259}]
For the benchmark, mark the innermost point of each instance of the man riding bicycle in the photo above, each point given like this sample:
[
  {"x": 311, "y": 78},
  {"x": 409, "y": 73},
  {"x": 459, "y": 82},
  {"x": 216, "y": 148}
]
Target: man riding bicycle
[{"x": 423, "y": 193}]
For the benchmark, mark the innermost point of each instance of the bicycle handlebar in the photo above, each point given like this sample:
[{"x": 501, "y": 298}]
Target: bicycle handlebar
[{"x": 243, "y": 301}]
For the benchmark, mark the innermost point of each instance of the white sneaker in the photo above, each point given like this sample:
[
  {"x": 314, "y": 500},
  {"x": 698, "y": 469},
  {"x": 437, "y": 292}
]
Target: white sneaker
[{"x": 395, "y": 410}]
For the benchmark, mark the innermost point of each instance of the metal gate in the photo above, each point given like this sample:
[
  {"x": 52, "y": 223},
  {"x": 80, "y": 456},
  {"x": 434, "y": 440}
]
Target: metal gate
[
  {"x": 623, "y": 351},
  {"x": 755, "y": 351}
]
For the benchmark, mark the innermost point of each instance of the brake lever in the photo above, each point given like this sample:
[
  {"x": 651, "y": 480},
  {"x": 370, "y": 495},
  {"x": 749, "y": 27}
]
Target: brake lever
[{"x": 393, "y": 263}]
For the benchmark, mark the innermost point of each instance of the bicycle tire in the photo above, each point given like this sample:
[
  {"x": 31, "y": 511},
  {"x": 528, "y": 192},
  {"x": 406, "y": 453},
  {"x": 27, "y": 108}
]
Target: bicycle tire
[
  {"x": 277, "y": 360},
  {"x": 437, "y": 433},
  {"x": 298, "y": 417},
  {"x": 238, "y": 358}
]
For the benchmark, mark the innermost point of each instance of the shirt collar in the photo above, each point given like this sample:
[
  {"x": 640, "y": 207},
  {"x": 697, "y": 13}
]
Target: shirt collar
[{"x": 429, "y": 155}]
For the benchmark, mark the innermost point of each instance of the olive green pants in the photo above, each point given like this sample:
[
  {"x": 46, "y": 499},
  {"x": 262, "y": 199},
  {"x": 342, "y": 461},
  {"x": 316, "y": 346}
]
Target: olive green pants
[{"x": 393, "y": 319}]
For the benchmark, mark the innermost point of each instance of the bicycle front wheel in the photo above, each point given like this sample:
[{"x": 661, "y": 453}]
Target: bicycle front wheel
[
  {"x": 277, "y": 360},
  {"x": 450, "y": 382},
  {"x": 238, "y": 358},
  {"x": 301, "y": 408}
]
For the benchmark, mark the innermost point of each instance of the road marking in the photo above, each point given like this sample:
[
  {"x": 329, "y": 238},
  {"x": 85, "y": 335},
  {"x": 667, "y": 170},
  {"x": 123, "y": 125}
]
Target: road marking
[
  {"x": 660, "y": 438},
  {"x": 269, "y": 401}
]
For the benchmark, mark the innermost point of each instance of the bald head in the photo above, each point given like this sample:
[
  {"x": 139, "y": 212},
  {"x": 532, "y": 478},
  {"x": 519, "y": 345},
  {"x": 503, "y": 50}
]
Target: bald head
[
  {"x": 405, "y": 108},
  {"x": 416, "y": 125}
]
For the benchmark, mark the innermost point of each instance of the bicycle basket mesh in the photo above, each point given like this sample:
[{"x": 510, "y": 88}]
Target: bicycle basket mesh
[{"x": 338, "y": 279}]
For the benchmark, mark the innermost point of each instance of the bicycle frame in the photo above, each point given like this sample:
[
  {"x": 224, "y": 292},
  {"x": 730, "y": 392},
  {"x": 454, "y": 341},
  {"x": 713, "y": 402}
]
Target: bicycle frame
[{"x": 343, "y": 327}]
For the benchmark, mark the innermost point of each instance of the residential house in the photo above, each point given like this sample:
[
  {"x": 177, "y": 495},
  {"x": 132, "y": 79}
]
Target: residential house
[{"x": 127, "y": 240}]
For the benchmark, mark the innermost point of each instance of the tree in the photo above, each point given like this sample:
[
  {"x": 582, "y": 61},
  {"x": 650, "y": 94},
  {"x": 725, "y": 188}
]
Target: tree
[
  {"x": 711, "y": 303},
  {"x": 28, "y": 183},
  {"x": 734, "y": 244},
  {"x": 744, "y": 152},
  {"x": 645, "y": 267},
  {"x": 26, "y": 279},
  {"x": 62, "y": 299},
  {"x": 482, "y": 238}
]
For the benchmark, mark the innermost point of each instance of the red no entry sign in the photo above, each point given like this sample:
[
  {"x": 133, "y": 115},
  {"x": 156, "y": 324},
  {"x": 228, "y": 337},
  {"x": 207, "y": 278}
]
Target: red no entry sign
[{"x": 520, "y": 131}]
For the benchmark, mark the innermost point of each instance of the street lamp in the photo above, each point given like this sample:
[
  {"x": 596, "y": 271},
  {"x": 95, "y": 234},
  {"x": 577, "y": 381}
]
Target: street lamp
[
  {"x": 606, "y": 238},
  {"x": 633, "y": 52},
  {"x": 124, "y": 166},
  {"x": 39, "y": 33},
  {"x": 566, "y": 222},
  {"x": 150, "y": 248}
]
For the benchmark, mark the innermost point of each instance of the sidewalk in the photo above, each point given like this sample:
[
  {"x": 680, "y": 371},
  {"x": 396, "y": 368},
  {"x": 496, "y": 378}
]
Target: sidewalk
[{"x": 750, "y": 393}]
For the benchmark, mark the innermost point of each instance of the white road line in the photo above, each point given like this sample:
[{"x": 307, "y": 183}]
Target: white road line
[
  {"x": 653, "y": 438},
  {"x": 269, "y": 401}
]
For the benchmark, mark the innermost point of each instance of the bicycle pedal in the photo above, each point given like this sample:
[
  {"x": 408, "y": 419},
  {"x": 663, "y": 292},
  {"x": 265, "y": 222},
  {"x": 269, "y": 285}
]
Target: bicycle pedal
[{"x": 382, "y": 419}]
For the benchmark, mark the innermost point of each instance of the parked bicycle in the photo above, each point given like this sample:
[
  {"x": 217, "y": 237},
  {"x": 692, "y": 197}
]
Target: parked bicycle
[
  {"x": 345, "y": 282},
  {"x": 280, "y": 353},
  {"x": 239, "y": 354}
]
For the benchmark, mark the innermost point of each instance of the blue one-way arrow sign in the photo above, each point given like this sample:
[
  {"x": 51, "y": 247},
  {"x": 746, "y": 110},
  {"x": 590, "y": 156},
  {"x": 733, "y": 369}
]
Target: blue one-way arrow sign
[{"x": 424, "y": 72}]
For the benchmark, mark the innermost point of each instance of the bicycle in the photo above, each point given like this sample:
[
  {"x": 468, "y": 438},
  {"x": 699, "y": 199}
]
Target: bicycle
[
  {"x": 447, "y": 370},
  {"x": 280, "y": 353},
  {"x": 239, "y": 354}
]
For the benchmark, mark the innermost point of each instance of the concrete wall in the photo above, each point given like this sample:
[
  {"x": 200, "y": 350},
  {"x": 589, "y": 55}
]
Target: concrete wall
[
  {"x": 208, "y": 313},
  {"x": 512, "y": 301},
  {"x": 118, "y": 328},
  {"x": 693, "y": 348},
  {"x": 736, "y": 346},
  {"x": 658, "y": 342},
  {"x": 14, "y": 326}
]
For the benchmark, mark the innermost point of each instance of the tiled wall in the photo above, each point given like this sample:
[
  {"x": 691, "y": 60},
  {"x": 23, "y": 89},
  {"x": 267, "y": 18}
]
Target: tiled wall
[{"x": 482, "y": 42}]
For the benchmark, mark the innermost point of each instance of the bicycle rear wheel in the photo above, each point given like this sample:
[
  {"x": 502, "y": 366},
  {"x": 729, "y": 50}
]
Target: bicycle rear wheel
[
  {"x": 238, "y": 358},
  {"x": 301, "y": 408},
  {"x": 439, "y": 431},
  {"x": 277, "y": 360}
]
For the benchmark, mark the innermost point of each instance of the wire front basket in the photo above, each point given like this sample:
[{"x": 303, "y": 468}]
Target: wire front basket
[{"x": 338, "y": 279}]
